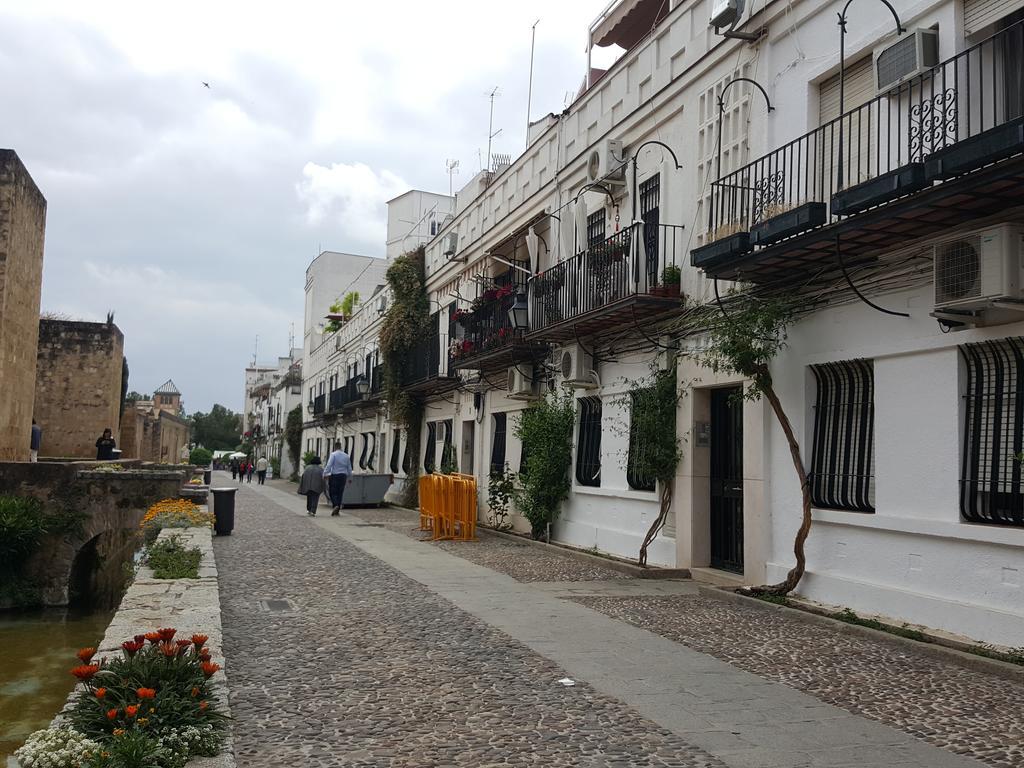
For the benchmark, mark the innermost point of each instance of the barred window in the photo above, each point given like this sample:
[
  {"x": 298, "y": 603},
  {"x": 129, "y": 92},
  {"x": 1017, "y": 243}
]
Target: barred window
[
  {"x": 588, "y": 444},
  {"x": 638, "y": 446},
  {"x": 366, "y": 448},
  {"x": 406, "y": 458},
  {"x": 396, "y": 445},
  {"x": 498, "y": 442},
  {"x": 650, "y": 213},
  {"x": 843, "y": 454},
  {"x": 595, "y": 228},
  {"x": 430, "y": 459},
  {"x": 990, "y": 482}
]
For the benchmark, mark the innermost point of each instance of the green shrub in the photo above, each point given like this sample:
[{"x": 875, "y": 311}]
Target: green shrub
[
  {"x": 200, "y": 457},
  {"x": 169, "y": 559},
  {"x": 308, "y": 457},
  {"x": 22, "y": 527},
  {"x": 275, "y": 466},
  {"x": 545, "y": 429}
]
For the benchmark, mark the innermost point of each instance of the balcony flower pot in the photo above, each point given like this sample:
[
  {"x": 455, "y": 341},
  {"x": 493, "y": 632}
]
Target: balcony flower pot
[
  {"x": 881, "y": 189},
  {"x": 721, "y": 251},
  {"x": 792, "y": 222}
]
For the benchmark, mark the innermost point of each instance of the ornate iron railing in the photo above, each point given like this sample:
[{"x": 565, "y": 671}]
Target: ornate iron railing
[
  {"x": 319, "y": 405},
  {"x": 643, "y": 259},
  {"x": 887, "y": 140}
]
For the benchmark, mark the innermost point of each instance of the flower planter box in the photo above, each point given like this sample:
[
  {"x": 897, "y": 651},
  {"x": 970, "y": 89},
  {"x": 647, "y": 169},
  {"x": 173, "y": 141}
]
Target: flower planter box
[
  {"x": 721, "y": 250},
  {"x": 792, "y": 222},
  {"x": 668, "y": 291},
  {"x": 881, "y": 189},
  {"x": 994, "y": 144}
]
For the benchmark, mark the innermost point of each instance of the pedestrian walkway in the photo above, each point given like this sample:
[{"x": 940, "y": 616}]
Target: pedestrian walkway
[{"x": 395, "y": 652}]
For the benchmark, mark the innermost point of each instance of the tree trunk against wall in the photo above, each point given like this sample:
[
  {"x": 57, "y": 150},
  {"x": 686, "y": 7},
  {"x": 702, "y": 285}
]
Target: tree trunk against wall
[{"x": 659, "y": 522}]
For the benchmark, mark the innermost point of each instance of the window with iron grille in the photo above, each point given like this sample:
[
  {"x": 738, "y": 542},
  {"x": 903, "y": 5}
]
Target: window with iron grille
[
  {"x": 318, "y": 451},
  {"x": 588, "y": 443},
  {"x": 379, "y": 442},
  {"x": 498, "y": 442},
  {"x": 843, "y": 454},
  {"x": 650, "y": 204},
  {"x": 430, "y": 459},
  {"x": 396, "y": 447},
  {"x": 990, "y": 482},
  {"x": 595, "y": 228},
  {"x": 635, "y": 460},
  {"x": 406, "y": 458},
  {"x": 366, "y": 448}
]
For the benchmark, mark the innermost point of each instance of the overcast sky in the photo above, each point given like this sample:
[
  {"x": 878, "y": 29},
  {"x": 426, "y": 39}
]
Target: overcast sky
[{"x": 192, "y": 213}]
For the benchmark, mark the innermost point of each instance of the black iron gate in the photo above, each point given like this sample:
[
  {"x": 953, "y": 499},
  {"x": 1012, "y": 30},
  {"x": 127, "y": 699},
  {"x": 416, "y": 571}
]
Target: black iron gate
[{"x": 727, "y": 479}]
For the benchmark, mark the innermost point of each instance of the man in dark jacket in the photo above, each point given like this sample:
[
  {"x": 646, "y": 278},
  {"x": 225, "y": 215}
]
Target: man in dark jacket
[{"x": 312, "y": 485}]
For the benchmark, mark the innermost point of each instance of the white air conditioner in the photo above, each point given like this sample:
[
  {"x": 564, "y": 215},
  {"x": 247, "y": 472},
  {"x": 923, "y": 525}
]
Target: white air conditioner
[
  {"x": 606, "y": 163},
  {"x": 452, "y": 244},
  {"x": 577, "y": 368},
  {"x": 725, "y": 12},
  {"x": 979, "y": 268},
  {"x": 520, "y": 383},
  {"x": 912, "y": 54}
]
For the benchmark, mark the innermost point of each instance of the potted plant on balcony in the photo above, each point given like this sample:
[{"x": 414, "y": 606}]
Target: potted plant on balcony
[
  {"x": 605, "y": 265},
  {"x": 670, "y": 280}
]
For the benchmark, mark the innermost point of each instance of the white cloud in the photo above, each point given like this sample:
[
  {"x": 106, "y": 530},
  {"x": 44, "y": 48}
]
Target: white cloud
[{"x": 351, "y": 196}]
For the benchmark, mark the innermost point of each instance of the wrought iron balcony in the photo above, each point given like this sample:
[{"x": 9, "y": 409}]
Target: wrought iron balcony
[
  {"x": 939, "y": 150},
  {"x": 426, "y": 371},
  {"x": 319, "y": 405},
  {"x": 488, "y": 341},
  {"x": 630, "y": 277}
]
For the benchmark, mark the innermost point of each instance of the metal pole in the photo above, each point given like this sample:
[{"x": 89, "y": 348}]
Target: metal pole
[{"x": 529, "y": 89}]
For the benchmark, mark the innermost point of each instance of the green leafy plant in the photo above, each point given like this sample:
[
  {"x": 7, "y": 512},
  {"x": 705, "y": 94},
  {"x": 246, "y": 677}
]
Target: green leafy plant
[
  {"x": 449, "y": 464},
  {"x": 545, "y": 428},
  {"x": 333, "y": 326},
  {"x": 200, "y": 457},
  {"x": 655, "y": 449},
  {"x": 275, "y": 466},
  {"x": 349, "y": 302},
  {"x": 22, "y": 526},
  {"x": 307, "y": 458},
  {"x": 501, "y": 492},
  {"x": 293, "y": 437},
  {"x": 671, "y": 275},
  {"x": 169, "y": 559}
]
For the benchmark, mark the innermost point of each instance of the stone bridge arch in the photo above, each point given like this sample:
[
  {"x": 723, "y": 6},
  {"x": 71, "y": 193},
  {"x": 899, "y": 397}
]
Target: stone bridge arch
[{"x": 96, "y": 517}]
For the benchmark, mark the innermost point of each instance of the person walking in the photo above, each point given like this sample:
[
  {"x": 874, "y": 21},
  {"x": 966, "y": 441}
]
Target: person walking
[
  {"x": 249, "y": 468},
  {"x": 261, "y": 470},
  {"x": 34, "y": 443},
  {"x": 105, "y": 446},
  {"x": 234, "y": 469},
  {"x": 339, "y": 467},
  {"x": 311, "y": 485}
]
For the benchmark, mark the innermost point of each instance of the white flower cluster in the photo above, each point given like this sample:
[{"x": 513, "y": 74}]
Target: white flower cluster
[
  {"x": 190, "y": 740},
  {"x": 55, "y": 748}
]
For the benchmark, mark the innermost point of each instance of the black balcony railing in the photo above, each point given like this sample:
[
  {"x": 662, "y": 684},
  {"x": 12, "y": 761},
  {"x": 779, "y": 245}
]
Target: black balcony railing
[
  {"x": 377, "y": 380},
  {"x": 962, "y": 114},
  {"x": 642, "y": 260},
  {"x": 425, "y": 364},
  {"x": 319, "y": 405}
]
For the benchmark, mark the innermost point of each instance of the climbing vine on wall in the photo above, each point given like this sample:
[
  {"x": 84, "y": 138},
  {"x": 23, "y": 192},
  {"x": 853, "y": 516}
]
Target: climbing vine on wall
[
  {"x": 293, "y": 437},
  {"x": 404, "y": 330},
  {"x": 545, "y": 429}
]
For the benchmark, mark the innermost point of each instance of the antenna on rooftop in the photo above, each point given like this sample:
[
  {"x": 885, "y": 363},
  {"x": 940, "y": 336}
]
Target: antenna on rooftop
[
  {"x": 451, "y": 167},
  {"x": 491, "y": 133},
  {"x": 529, "y": 89},
  {"x": 291, "y": 339},
  {"x": 255, "y": 350}
]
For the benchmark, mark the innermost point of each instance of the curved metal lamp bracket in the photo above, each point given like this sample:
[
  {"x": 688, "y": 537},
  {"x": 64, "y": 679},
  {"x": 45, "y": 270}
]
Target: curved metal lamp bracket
[{"x": 861, "y": 296}]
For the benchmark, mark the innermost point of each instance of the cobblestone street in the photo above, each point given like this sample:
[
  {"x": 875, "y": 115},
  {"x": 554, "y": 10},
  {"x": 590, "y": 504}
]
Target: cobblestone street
[{"x": 392, "y": 653}]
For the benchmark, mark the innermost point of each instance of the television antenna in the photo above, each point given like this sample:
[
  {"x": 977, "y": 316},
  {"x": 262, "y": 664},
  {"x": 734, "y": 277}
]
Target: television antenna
[
  {"x": 491, "y": 133},
  {"x": 451, "y": 167}
]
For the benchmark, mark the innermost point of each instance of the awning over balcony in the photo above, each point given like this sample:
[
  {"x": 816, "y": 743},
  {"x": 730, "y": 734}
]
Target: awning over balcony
[{"x": 626, "y": 24}]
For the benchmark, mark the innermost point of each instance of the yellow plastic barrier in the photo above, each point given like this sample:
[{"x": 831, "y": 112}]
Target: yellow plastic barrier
[{"x": 448, "y": 506}]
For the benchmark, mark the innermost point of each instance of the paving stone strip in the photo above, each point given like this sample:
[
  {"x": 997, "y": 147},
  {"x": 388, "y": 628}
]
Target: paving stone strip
[
  {"x": 373, "y": 669},
  {"x": 965, "y": 711},
  {"x": 519, "y": 560}
]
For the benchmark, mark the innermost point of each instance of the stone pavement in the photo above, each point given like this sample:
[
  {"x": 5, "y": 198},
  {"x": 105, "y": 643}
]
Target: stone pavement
[{"x": 398, "y": 653}]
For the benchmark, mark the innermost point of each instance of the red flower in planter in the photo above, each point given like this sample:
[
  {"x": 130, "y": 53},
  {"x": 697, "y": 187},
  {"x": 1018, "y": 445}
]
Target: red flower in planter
[
  {"x": 203, "y": 705},
  {"x": 146, "y": 693},
  {"x": 131, "y": 647},
  {"x": 170, "y": 650},
  {"x": 131, "y": 711},
  {"x": 85, "y": 673},
  {"x": 100, "y": 692},
  {"x": 140, "y": 639},
  {"x": 166, "y": 634},
  {"x": 490, "y": 294},
  {"x": 111, "y": 714},
  {"x": 204, "y": 655},
  {"x": 199, "y": 640},
  {"x": 153, "y": 637},
  {"x": 86, "y": 654},
  {"x": 209, "y": 668},
  {"x": 183, "y": 643}
]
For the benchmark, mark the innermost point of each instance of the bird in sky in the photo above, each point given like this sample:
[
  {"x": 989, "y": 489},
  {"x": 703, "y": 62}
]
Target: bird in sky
[{"x": 206, "y": 85}]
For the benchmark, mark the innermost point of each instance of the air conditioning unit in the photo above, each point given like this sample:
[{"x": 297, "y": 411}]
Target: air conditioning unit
[
  {"x": 520, "y": 383},
  {"x": 725, "y": 12},
  {"x": 451, "y": 246},
  {"x": 606, "y": 163},
  {"x": 979, "y": 268},
  {"x": 912, "y": 54},
  {"x": 577, "y": 368}
]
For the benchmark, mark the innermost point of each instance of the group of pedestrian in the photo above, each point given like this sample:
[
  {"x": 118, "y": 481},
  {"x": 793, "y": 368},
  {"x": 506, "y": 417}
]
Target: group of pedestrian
[
  {"x": 317, "y": 479},
  {"x": 244, "y": 469}
]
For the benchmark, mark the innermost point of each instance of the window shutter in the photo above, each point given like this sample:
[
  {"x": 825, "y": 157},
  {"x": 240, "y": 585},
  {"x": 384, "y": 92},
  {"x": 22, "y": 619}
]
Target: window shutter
[
  {"x": 978, "y": 14},
  {"x": 860, "y": 89}
]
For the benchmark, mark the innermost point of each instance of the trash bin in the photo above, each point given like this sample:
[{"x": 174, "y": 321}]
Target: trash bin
[
  {"x": 223, "y": 510},
  {"x": 207, "y": 476}
]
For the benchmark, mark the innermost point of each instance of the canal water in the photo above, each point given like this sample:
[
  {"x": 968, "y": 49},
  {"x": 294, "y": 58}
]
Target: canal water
[{"x": 37, "y": 652}]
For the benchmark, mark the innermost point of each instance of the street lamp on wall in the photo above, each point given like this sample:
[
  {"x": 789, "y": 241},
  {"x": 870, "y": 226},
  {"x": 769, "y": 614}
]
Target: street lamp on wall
[
  {"x": 519, "y": 313},
  {"x": 842, "y": 78},
  {"x": 363, "y": 386}
]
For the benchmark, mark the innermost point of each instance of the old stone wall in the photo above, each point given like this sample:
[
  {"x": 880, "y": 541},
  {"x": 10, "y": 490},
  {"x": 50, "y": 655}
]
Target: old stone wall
[
  {"x": 78, "y": 385},
  {"x": 153, "y": 435},
  {"x": 22, "y": 228}
]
